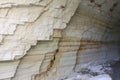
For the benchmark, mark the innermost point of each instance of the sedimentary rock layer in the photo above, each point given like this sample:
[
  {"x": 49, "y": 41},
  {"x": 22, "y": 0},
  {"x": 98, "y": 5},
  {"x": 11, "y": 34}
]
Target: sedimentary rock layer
[{"x": 49, "y": 39}]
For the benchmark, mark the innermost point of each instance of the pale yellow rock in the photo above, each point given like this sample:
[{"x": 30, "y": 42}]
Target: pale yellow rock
[
  {"x": 8, "y": 69},
  {"x": 36, "y": 21},
  {"x": 49, "y": 39}
]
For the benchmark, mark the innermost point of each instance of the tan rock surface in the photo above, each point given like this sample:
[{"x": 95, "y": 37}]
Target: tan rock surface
[{"x": 49, "y": 39}]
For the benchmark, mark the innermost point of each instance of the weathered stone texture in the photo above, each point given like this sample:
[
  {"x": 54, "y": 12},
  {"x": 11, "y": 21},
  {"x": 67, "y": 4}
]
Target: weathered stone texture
[
  {"x": 21, "y": 22},
  {"x": 49, "y": 39}
]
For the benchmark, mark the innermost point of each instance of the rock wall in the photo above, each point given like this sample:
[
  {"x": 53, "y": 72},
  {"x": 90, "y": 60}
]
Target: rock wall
[
  {"x": 23, "y": 23},
  {"x": 49, "y": 39}
]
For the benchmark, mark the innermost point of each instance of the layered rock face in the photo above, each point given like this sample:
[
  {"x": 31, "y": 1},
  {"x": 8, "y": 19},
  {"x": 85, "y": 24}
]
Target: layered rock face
[{"x": 49, "y": 39}]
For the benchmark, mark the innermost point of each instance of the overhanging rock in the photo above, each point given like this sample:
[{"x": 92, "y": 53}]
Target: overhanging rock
[{"x": 49, "y": 39}]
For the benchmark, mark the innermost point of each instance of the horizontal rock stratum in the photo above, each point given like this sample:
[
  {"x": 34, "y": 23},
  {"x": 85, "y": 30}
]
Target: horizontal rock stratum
[{"x": 49, "y": 39}]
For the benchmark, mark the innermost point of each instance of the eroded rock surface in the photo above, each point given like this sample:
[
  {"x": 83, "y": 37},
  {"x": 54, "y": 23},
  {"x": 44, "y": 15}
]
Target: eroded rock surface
[{"x": 49, "y": 39}]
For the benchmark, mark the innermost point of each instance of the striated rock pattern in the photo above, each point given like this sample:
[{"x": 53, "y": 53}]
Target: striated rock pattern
[{"x": 49, "y": 39}]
